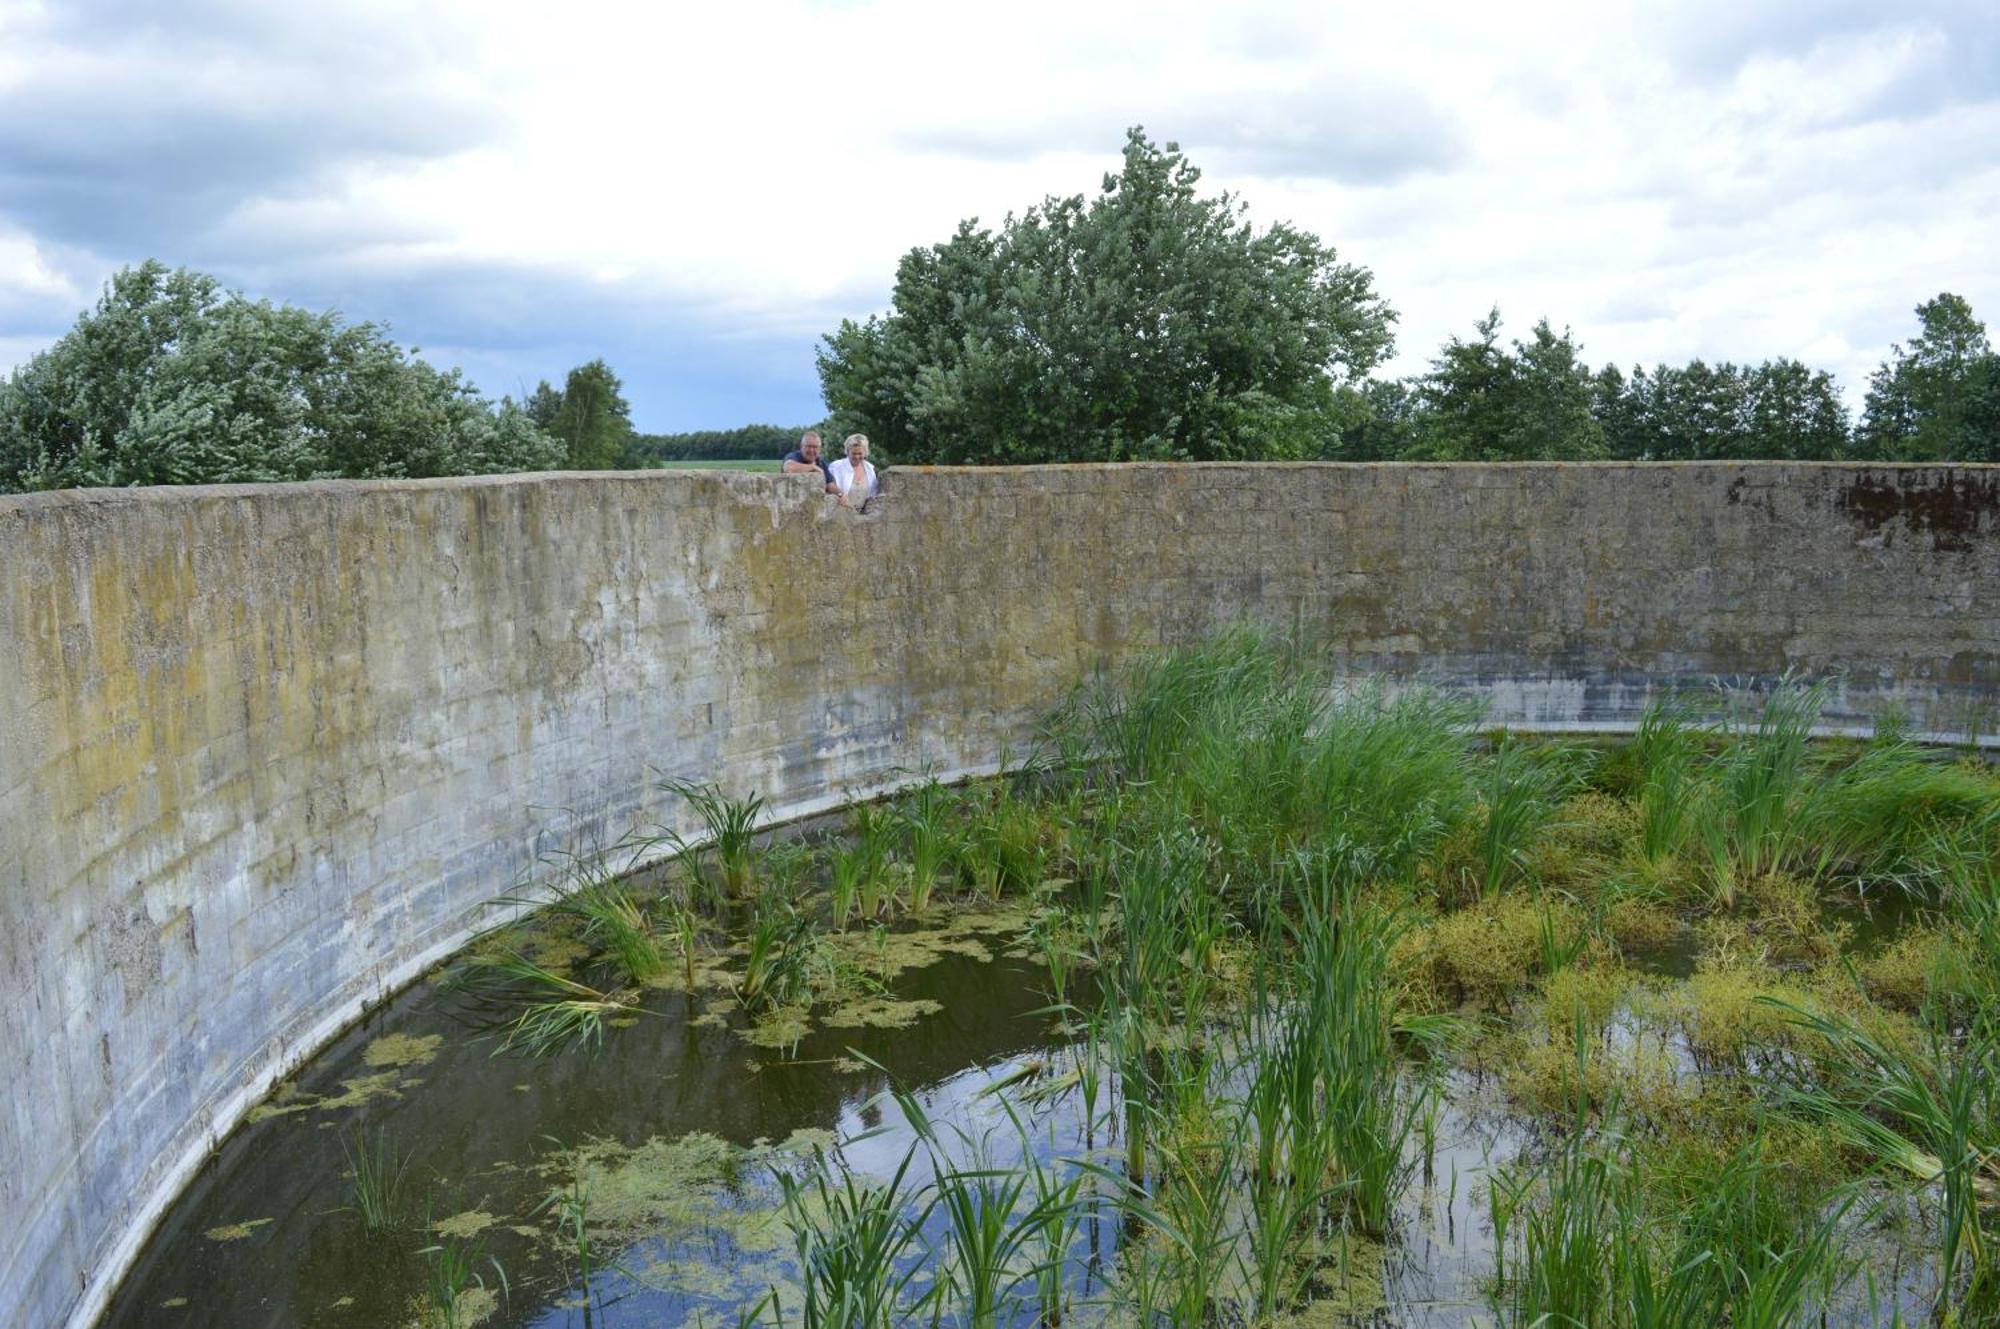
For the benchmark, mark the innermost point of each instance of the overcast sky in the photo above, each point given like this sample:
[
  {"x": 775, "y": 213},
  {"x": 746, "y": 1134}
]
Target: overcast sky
[{"x": 698, "y": 193}]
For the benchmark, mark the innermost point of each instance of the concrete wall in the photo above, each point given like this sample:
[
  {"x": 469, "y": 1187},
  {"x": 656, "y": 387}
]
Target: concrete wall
[{"x": 265, "y": 750}]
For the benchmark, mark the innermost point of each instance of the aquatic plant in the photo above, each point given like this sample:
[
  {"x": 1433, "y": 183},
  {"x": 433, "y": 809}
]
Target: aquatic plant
[
  {"x": 783, "y": 958},
  {"x": 930, "y": 838},
  {"x": 869, "y": 831},
  {"x": 533, "y": 1007},
  {"x": 854, "y": 1240},
  {"x": 849, "y": 867},
  {"x": 1666, "y": 749},
  {"x": 1239, "y": 739},
  {"x": 570, "y": 1207},
  {"x": 376, "y": 1171},
  {"x": 1931, "y": 1112},
  {"x": 1523, "y": 785},
  {"x": 455, "y": 1267},
  {"x": 687, "y": 936},
  {"x": 1898, "y": 815},
  {"x": 1558, "y": 1226},
  {"x": 730, "y": 827},
  {"x": 1746, "y": 819},
  {"x": 1365, "y": 1109},
  {"x": 1746, "y": 1248},
  {"x": 615, "y": 918}
]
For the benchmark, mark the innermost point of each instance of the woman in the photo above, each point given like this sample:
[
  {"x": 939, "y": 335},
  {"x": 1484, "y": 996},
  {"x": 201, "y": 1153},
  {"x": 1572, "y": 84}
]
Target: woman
[{"x": 853, "y": 477}]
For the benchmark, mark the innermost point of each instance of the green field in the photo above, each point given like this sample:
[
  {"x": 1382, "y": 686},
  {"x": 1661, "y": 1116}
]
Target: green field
[{"x": 758, "y": 465}]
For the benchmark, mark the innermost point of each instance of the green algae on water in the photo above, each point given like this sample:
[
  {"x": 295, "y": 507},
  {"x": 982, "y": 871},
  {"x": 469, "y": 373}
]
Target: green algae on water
[
  {"x": 403, "y": 1049},
  {"x": 468, "y": 1224},
  {"x": 235, "y": 1231}
]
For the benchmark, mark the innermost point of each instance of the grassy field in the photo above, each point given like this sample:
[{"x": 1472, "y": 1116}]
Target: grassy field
[{"x": 719, "y": 465}]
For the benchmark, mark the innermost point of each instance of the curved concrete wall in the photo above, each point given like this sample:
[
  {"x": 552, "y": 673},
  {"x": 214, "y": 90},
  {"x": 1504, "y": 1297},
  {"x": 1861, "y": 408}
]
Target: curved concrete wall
[{"x": 264, "y": 751}]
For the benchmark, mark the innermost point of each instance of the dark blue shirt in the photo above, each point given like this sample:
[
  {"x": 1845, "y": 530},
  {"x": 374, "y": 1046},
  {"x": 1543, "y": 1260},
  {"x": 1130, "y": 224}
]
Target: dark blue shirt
[{"x": 824, "y": 470}]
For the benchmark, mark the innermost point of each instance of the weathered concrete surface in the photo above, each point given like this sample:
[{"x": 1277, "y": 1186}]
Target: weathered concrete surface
[{"x": 264, "y": 751}]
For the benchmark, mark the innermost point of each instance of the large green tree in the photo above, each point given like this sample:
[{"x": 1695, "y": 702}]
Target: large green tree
[
  {"x": 173, "y": 380},
  {"x": 591, "y": 417},
  {"x": 1484, "y": 402},
  {"x": 1147, "y": 322},
  {"x": 1934, "y": 400}
]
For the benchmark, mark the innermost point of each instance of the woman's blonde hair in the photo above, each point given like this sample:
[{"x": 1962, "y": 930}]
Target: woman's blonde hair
[{"x": 852, "y": 439}]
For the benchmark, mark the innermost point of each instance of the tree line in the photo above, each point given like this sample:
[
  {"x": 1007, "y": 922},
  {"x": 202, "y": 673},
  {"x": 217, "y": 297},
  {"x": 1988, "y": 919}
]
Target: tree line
[
  {"x": 1145, "y": 322},
  {"x": 1151, "y": 322}
]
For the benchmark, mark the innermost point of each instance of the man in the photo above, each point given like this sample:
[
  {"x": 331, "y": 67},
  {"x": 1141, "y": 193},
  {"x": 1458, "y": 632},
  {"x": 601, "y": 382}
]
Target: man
[{"x": 805, "y": 459}]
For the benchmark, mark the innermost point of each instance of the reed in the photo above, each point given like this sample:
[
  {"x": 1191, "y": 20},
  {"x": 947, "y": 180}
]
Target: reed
[
  {"x": 453, "y": 1268},
  {"x": 1667, "y": 749},
  {"x": 783, "y": 959},
  {"x": 730, "y": 828},
  {"x": 1522, "y": 788},
  {"x": 1931, "y": 1112},
  {"x": 856, "y": 1244},
  {"x": 930, "y": 838},
  {"x": 534, "y": 1008},
  {"x": 376, "y": 1171}
]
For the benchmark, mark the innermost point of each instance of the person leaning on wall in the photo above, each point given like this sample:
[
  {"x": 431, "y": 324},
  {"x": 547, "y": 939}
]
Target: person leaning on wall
[
  {"x": 805, "y": 459},
  {"x": 853, "y": 477}
]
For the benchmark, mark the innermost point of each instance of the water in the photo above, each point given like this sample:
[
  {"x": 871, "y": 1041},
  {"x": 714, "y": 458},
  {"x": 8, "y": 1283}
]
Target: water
[
  {"x": 284, "y": 1251},
  {"x": 689, "y": 1232}
]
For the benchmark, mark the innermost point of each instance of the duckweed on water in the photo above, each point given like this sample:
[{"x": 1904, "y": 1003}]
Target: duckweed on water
[
  {"x": 236, "y": 1231},
  {"x": 286, "y": 1100},
  {"x": 468, "y": 1224},
  {"x": 402, "y": 1049}
]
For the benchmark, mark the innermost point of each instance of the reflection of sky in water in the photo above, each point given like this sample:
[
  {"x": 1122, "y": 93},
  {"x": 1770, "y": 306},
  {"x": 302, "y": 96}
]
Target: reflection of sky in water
[{"x": 471, "y": 1117}]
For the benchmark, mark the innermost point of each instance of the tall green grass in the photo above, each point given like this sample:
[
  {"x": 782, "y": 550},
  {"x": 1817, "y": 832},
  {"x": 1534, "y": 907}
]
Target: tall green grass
[
  {"x": 376, "y": 1171},
  {"x": 1930, "y": 1112},
  {"x": 856, "y": 1243},
  {"x": 729, "y": 826}
]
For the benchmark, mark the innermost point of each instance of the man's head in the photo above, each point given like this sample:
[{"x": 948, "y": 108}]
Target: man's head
[{"x": 809, "y": 445}]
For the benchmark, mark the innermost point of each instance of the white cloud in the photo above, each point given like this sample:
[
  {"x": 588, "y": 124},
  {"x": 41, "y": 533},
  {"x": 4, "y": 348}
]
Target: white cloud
[{"x": 1715, "y": 181}]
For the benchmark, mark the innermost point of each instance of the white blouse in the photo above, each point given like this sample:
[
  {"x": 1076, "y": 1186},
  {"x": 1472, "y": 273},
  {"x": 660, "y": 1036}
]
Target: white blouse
[{"x": 844, "y": 479}]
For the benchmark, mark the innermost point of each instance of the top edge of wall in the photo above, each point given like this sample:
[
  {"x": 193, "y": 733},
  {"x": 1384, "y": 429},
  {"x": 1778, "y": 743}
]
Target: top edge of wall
[{"x": 785, "y": 484}]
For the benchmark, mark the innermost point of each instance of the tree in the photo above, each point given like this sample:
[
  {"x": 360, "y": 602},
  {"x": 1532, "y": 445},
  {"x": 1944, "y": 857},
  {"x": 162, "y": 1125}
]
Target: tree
[
  {"x": 1925, "y": 402},
  {"x": 173, "y": 380},
  {"x": 749, "y": 443},
  {"x": 1147, "y": 322},
  {"x": 1482, "y": 402},
  {"x": 1796, "y": 413},
  {"x": 590, "y": 416},
  {"x": 1382, "y": 424},
  {"x": 1700, "y": 412}
]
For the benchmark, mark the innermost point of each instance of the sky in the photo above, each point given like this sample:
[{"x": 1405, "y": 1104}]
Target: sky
[{"x": 698, "y": 193}]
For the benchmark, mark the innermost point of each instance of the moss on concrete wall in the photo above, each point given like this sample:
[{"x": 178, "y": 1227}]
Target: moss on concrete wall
[{"x": 264, "y": 751}]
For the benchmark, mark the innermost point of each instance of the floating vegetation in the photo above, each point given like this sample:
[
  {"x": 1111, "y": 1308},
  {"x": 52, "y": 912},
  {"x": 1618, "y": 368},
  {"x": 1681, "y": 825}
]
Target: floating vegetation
[
  {"x": 236, "y": 1231},
  {"x": 401, "y": 1049}
]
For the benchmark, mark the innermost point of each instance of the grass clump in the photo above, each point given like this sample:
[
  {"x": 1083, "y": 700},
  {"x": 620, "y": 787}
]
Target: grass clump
[{"x": 376, "y": 1171}]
